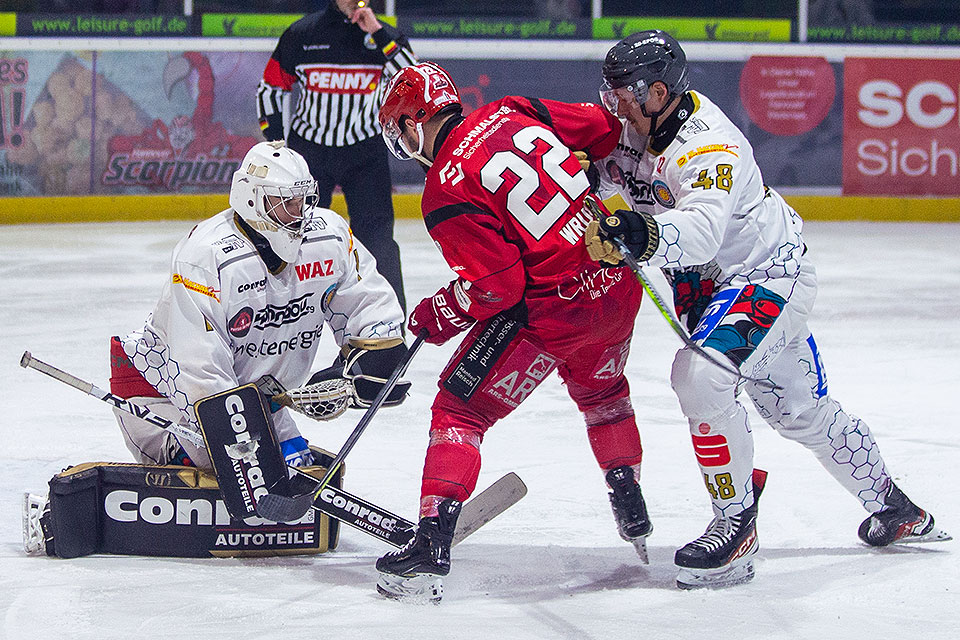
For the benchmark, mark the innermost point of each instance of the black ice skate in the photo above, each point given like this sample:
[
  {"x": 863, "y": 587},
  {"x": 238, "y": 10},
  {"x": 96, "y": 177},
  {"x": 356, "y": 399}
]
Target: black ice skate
[
  {"x": 900, "y": 521},
  {"x": 723, "y": 555},
  {"x": 629, "y": 509},
  {"x": 414, "y": 572},
  {"x": 37, "y": 528}
]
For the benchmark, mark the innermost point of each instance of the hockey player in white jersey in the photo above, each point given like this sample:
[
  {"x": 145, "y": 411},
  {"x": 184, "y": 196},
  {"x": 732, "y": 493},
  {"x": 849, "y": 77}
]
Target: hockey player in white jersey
[
  {"x": 248, "y": 294},
  {"x": 734, "y": 254}
]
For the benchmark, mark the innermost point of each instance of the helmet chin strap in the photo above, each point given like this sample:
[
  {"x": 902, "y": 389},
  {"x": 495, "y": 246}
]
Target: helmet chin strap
[
  {"x": 418, "y": 154},
  {"x": 653, "y": 116}
]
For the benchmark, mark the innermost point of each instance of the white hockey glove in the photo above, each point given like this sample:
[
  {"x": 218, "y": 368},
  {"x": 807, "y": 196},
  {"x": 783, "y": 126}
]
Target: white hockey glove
[
  {"x": 321, "y": 401},
  {"x": 324, "y": 400},
  {"x": 365, "y": 364}
]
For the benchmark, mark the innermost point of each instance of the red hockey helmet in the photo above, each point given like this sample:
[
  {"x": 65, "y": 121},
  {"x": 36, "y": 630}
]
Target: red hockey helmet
[{"x": 418, "y": 92}]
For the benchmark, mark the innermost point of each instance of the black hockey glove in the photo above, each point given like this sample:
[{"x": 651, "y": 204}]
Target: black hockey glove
[
  {"x": 272, "y": 126},
  {"x": 636, "y": 229},
  {"x": 367, "y": 365}
]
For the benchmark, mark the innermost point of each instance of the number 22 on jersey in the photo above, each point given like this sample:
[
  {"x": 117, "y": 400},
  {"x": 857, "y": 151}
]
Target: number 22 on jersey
[{"x": 522, "y": 163}]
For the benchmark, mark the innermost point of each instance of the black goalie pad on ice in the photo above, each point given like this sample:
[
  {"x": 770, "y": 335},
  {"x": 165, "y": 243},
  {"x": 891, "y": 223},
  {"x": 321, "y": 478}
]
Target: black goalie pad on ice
[
  {"x": 243, "y": 448},
  {"x": 168, "y": 511}
]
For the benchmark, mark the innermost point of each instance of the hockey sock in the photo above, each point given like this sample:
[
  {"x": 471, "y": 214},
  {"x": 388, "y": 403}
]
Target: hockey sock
[
  {"x": 616, "y": 444},
  {"x": 724, "y": 449},
  {"x": 451, "y": 467}
]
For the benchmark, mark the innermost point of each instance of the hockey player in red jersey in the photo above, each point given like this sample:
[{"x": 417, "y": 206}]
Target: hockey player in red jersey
[{"x": 503, "y": 199}]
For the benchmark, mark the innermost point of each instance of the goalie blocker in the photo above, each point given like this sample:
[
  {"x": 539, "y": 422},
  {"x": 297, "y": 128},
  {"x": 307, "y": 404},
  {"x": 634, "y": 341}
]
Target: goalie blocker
[
  {"x": 168, "y": 511},
  {"x": 243, "y": 448}
]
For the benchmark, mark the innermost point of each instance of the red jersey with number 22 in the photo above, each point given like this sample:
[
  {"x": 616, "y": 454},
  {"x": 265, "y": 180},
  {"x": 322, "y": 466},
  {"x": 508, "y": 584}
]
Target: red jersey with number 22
[{"x": 502, "y": 200}]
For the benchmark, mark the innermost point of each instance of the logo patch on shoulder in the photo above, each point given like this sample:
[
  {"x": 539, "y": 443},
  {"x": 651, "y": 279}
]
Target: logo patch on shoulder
[{"x": 661, "y": 192}]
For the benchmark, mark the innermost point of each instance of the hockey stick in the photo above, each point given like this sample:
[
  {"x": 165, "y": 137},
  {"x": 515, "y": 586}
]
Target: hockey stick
[
  {"x": 397, "y": 531},
  {"x": 281, "y": 508},
  {"x": 28, "y": 361},
  {"x": 661, "y": 305},
  {"x": 488, "y": 504}
]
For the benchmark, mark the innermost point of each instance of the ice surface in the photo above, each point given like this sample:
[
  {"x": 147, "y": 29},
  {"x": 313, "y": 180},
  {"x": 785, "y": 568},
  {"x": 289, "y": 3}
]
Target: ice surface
[{"x": 553, "y": 566}]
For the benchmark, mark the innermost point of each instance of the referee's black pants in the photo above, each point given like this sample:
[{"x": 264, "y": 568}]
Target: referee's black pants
[{"x": 363, "y": 173}]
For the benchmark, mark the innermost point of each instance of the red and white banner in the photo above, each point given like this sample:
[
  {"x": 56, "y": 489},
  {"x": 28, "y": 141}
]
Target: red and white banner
[
  {"x": 901, "y": 127},
  {"x": 787, "y": 95}
]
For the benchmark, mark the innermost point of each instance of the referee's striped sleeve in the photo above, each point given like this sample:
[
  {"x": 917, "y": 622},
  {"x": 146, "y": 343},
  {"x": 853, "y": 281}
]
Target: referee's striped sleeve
[{"x": 270, "y": 100}]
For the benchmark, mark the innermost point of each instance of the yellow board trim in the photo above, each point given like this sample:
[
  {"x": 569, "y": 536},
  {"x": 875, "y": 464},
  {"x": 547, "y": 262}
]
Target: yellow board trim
[
  {"x": 874, "y": 209},
  {"x": 34, "y": 210}
]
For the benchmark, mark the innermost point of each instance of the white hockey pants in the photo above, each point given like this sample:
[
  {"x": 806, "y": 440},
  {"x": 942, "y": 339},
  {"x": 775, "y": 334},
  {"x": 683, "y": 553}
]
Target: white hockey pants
[{"x": 801, "y": 410}]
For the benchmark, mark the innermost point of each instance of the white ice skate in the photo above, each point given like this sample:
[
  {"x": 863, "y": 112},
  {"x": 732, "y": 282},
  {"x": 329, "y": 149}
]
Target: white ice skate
[{"x": 34, "y": 538}]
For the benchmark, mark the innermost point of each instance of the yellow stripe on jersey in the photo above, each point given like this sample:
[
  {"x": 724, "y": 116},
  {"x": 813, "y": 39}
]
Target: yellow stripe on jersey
[
  {"x": 710, "y": 148},
  {"x": 195, "y": 286}
]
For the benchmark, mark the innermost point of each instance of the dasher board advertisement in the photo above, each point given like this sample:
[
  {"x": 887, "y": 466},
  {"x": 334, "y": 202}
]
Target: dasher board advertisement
[{"x": 901, "y": 127}]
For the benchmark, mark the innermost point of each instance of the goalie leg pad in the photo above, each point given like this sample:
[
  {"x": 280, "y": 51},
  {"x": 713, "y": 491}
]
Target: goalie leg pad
[
  {"x": 167, "y": 511},
  {"x": 243, "y": 448}
]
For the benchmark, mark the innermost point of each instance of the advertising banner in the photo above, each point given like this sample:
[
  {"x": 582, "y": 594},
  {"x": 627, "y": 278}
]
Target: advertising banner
[
  {"x": 8, "y": 24},
  {"x": 125, "y": 122},
  {"x": 901, "y": 127},
  {"x": 886, "y": 33},
  {"x": 87, "y": 25},
  {"x": 255, "y": 25},
  {"x": 138, "y": 122},
  {"x": 787, "y": 95},
  {"x": 718, "y": 29},
  {"x": 485, "y": 27},
  {"x": 246, "y": 25}
]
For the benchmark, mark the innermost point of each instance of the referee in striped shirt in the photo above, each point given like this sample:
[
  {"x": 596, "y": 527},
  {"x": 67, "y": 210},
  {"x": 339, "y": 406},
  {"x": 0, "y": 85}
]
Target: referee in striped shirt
[{"x": 342, "y": 57}]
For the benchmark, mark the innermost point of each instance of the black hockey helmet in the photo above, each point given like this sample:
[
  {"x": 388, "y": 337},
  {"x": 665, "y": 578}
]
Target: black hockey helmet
[{"x": 639, "y": 60}]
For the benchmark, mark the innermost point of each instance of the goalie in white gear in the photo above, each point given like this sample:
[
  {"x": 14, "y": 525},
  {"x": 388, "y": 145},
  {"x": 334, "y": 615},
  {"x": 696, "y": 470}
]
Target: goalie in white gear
[
  {"x": 249, "y": 293},
  {"x": 734, "y": 254}
]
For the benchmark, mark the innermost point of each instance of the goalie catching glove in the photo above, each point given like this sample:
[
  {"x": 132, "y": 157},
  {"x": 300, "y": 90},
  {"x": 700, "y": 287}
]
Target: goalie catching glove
[
  {"x": 365, "y": 364},
  {"x": 636, "y": 229}
]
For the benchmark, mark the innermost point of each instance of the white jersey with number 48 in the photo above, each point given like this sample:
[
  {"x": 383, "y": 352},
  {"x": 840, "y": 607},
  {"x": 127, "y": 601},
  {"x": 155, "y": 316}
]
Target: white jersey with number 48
[{"x": 708, "y": 196}]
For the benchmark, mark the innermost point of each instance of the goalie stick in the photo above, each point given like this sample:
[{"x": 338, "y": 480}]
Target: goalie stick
[
  {"x": 28, "y": 361},
  {"x": 281, "y": 508},
  {"x": 648, "y": 286},
  {"x": 335, "y": 502}
]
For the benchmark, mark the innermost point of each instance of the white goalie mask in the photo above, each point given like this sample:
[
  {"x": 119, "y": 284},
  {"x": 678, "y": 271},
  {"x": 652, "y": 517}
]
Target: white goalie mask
[{"x": 275, "y": 194}]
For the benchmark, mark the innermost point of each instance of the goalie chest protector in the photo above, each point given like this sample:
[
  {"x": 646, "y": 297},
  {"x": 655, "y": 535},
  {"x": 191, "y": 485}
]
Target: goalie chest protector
[{"x": 169, "y": 511}]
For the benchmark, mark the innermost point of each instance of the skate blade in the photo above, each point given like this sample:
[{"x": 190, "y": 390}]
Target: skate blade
[
  {"x": 640, "y": 544},
  {"x": 418, "y": 589},
  {"x": 934, "y": 535},
  {"x": 721, "y": 578}
]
